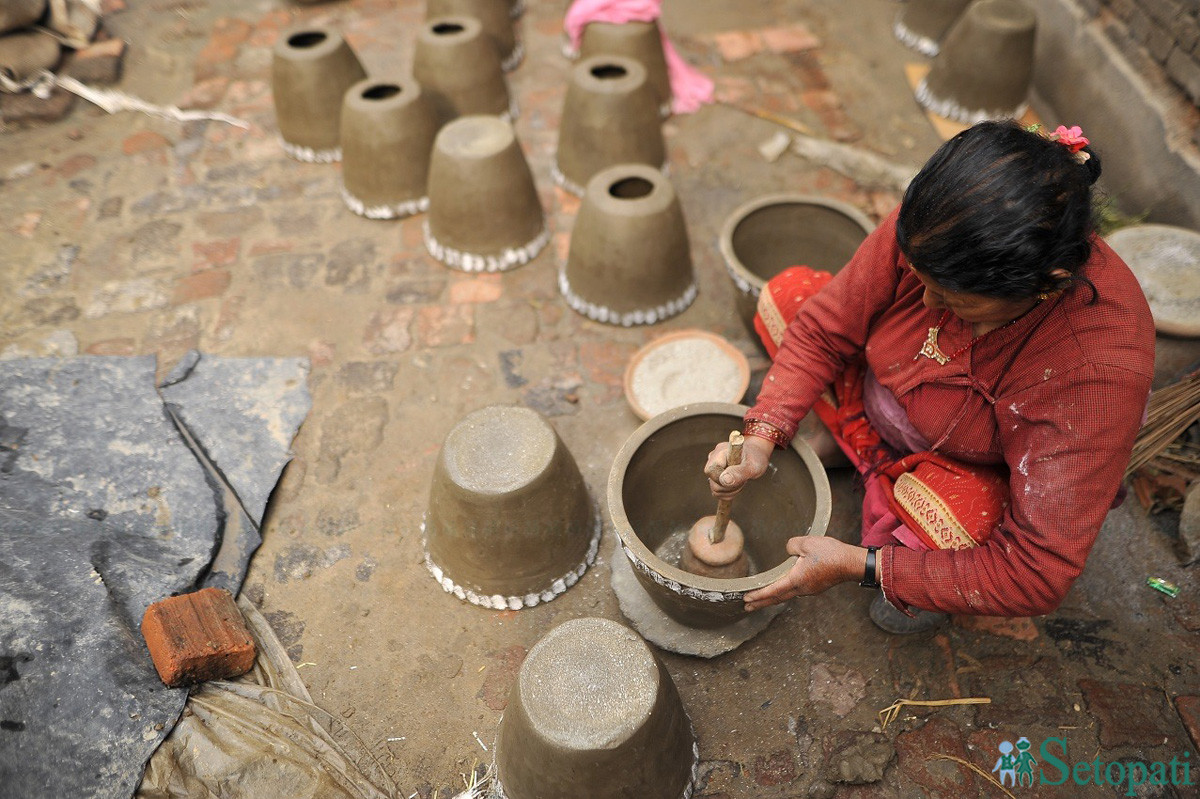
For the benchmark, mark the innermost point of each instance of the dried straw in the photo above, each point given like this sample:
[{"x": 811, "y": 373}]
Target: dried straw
[
  {"x": 889, "y": 713},
  {"x": 976, "y": 769},
  {"x": 1171, "y": 411}
]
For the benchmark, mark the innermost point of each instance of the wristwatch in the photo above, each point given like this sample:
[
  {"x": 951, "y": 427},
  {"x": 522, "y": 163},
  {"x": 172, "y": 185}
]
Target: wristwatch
[{"x": 869, "y": 579}]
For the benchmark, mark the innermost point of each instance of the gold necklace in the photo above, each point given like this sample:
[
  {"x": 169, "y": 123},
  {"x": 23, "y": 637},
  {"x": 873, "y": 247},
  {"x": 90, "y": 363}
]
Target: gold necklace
[{"x": 931, "y": 350}]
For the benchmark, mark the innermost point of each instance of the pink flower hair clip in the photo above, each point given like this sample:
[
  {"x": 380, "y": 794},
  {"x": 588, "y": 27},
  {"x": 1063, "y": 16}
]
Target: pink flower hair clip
[{"x": 1073, "y": 139}]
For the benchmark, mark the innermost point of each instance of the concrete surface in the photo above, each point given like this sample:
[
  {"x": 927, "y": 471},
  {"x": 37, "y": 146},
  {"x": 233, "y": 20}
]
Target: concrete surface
[{"x": 129, "y": 234}]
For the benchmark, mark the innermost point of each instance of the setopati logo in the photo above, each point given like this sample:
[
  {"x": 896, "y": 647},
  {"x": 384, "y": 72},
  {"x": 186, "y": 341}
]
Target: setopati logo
[{"x": 1017, "y": 766}]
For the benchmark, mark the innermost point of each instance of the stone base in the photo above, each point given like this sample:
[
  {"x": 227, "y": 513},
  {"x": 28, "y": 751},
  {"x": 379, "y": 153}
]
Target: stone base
[{"x": 664, "y": 632}]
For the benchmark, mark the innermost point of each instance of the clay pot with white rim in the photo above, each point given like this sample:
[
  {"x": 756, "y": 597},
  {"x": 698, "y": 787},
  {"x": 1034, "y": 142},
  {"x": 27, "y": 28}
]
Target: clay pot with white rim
[
  {"x": 495, "y": 16},
  {"x": 311, "y": 69},
  {"x": 484, "y": 211},
  {"x": 629, "y": 261},
  {"x": 458, "y": 66},
  {"x": 609, "y": 117},
  {"x": 641, "y": 41},
  {"x": 594, "y": 714},
  {"x": 510, "y": 524},
  {"x": 985, "y": 65},
  {"x": 922, "y": 24},
  {"x": 657, "y": 491},
  {"x": 388, "y": 128}
]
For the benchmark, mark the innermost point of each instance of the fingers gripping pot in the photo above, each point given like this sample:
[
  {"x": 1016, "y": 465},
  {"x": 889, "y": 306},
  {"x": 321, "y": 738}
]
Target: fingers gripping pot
[
  {"x": 510, "y": 523},
  {"x": 657, "y": 488}
]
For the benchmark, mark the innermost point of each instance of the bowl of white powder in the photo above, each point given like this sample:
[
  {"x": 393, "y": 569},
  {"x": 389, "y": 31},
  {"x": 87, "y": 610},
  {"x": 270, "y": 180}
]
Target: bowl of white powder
[{"x": 684, "y": 367}]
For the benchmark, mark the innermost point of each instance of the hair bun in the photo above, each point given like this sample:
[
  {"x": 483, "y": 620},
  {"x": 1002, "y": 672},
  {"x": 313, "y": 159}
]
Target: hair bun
[{"x": 1092, "y": 165}]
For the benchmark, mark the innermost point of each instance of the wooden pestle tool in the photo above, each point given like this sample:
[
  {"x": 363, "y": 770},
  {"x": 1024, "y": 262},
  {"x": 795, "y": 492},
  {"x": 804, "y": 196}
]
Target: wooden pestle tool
[{"x": 716, "y": 545}]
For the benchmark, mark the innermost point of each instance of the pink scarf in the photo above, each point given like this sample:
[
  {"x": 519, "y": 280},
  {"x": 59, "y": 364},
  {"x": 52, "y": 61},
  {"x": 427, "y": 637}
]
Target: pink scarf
[{"x": 690, "y": 88}]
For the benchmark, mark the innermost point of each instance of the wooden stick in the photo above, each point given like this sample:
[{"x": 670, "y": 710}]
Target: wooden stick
[{"x": 717, "y": 534}]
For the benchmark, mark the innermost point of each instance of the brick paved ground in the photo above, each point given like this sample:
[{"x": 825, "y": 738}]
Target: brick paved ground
[{"x": 129, "y": 234}]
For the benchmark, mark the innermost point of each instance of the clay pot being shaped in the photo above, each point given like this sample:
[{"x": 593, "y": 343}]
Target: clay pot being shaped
[
  {"x": 495, "y": 16},
  {"x": 594, "y": 714},
  {"x": 768, "y": 234},
  {"x": 510, "y": 524},
  {"x": 609, "y": 117},
  {"x": 388, "y": 128},
  {"x": 985, "y": 65},
  {"x": 484, "y": 210},
  {"x": 641, "y": 41},
  {"x": 459, "y": 68},
  {"x": 311, "y": 69},
  {"x": 921, "y": 24},
  {"x": 656, "y": 494},
  {"x": 629, "y": 261}
]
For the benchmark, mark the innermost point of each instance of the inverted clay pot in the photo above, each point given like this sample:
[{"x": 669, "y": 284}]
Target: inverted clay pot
[
  {"x": 484, "y": 210},
  {"x": 656, "y": 492},
  {"x": 641, "y": 41},
  {"x": 388, "y": 128},
  {"x": 510, "y": 524},
  {"x": 609, "y": 117},
  {"x": 922, "y": 24},
  {"x": 495, "y": 16},
  {"x": 985, "y": 65},
  {"x": 768, "y": 234},
  {"x": 629, "y": 261},
  {"x": 594, "y": 714},
  {"x": 311, "y": 70},
  {"x": 458, "y": 66}
]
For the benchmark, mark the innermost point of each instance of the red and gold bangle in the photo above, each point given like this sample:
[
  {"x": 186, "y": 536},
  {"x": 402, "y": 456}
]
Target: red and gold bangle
[{"x": 770, "y": 432}]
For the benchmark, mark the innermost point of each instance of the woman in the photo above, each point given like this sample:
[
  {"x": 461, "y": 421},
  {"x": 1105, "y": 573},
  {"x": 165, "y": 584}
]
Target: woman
[{"x": 985, "y": 326}]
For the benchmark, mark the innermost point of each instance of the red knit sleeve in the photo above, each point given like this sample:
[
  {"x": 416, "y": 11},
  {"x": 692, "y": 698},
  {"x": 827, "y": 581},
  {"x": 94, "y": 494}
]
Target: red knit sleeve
[
  {"x": 830, "y": 329},
  {"x": 1067, "y": 442}
]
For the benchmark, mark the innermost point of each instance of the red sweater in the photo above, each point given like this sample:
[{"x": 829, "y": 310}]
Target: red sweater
[{"x": 1057, "y": 397}]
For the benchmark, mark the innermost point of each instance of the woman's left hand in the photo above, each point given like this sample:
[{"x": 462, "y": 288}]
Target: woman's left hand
[{"x": 821, "y": 563}]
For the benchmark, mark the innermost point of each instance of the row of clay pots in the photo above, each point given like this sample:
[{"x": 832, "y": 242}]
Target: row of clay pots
[{"x": 982, "y": 53}]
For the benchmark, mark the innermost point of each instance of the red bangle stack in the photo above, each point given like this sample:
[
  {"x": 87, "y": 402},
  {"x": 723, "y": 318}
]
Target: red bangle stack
[{"x": 770, "y": 432}]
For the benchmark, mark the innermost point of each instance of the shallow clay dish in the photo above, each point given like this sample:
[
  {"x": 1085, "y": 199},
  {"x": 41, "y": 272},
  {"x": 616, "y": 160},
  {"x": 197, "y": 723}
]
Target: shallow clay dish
[
  {"x": 683, "y": 367},
  {"x": 1166, "y": 261}
]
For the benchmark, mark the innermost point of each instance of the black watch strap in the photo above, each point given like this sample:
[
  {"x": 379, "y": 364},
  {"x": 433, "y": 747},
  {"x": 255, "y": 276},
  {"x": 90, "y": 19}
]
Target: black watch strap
[{"x": 869, "y": 580}]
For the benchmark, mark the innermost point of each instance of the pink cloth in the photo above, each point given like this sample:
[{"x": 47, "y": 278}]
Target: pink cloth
[{"x": 690, "y": 88}]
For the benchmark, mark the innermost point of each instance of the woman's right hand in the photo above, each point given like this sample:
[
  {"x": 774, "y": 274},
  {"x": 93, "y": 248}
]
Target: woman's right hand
[{"x": 726, "y": 481}]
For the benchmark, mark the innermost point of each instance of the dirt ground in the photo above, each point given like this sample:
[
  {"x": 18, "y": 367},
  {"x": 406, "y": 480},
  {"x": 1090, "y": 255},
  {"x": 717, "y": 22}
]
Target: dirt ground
[{"x": 128, "y": 234}]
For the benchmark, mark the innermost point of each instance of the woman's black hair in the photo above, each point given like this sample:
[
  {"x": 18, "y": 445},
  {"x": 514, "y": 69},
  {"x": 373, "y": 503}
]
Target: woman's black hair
[{"x": 997, "y": 209}]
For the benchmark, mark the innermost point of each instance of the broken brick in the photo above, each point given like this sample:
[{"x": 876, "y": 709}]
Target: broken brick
[
  {"x": 197, "y": 637},
  {"x": 98, "y": 63}
]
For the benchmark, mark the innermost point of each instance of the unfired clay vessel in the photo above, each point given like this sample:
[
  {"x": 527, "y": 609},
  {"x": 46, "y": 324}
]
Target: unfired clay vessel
[
  {"x": 510, "y": 524},
  {"x": 657, "y": 491},
  {"x": 388, "y": 127},
  {"x": 768, "y": 234},
  {"x": 921, "y": 24},
  {"x": 594, "y": 714},
  {"x": 985, "y": 65},
  {"x": 311, "y": 70},
  {"x": 458, "y": 66},
  {"x": 496, "y": 18},
  {"x": 641, "y": 41},
  {"x": 629, "y": 261},
  {"x": 484, "y": 210},
  {"x": 609, "y": 117}
]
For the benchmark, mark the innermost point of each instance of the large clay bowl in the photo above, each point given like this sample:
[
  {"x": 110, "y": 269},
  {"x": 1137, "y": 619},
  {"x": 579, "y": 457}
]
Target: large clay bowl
[
  {"x": 657, "y": 491},
  {"x": 594, "y": 715},
  {"x": 510, "y": 523},
  {"x": 767, "y": 235}
]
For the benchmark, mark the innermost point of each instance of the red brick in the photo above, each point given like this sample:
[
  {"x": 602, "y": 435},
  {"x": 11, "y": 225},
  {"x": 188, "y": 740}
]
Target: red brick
[
  {"x": 790, "y": 39},
  {"x": 484, "y": 288},
  {"x": 779, "y": 768},
  {"x": 205, "y": 94},
  {"x": 221, "y": 252},
  {"x": 201, "y": 286},
  {"x": 99, "y": 62},
  {"x": 76, "y": 164},
  {"x": 501, "y": 676},
  {"x": 937, "y": 779},
  {"x": 444, "y": 326},
  {"x": 1189, "y": 713},
  {"x": 197, "y": 637},
  {"x": 736, "y": 45},
  {"x": 144, "y": 141},
  {"x": 111, "y": 346}
]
